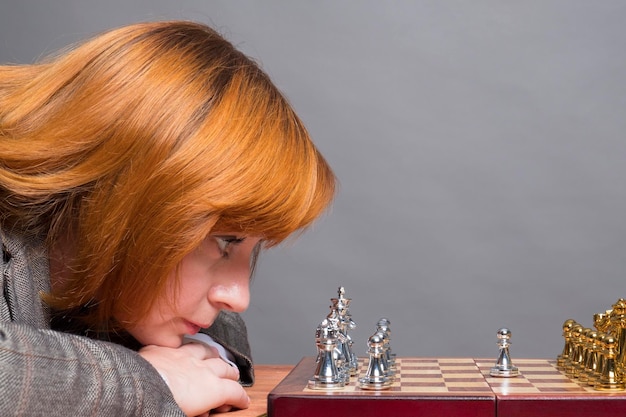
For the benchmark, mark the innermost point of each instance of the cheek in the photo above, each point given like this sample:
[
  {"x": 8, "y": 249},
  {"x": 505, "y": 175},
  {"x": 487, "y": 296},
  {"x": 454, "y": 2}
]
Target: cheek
[{"x": 194, "y": 282}]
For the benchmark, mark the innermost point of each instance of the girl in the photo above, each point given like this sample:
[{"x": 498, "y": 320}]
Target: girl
[{"x": 140, "y": 175}]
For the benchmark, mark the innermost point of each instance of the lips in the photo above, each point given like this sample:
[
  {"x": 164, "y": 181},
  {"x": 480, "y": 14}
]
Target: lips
[{"x": 192, "y": 328}]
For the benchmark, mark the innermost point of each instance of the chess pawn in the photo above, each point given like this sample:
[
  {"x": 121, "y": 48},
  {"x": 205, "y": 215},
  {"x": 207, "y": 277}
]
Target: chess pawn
[
  {"x": 589, "y": 337},
  {"x": 351, "y": 356},
  {"x": 562, "y": 359},
  {"x": 388, "y": 368},
  {"x": 573, "y": 367},
  {"x": 504, "y": 367},
  {"x": 383, "y": 325},
  {"x": 610, "y": 378},
  {"x": 326, "y": 376},
  {"x": 594, "y": 364},
  {"x": 375, "y": 377}
]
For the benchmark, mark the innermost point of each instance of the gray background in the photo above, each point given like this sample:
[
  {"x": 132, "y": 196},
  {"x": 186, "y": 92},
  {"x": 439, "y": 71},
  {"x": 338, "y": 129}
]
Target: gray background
[{"x": 479, "y": 146}]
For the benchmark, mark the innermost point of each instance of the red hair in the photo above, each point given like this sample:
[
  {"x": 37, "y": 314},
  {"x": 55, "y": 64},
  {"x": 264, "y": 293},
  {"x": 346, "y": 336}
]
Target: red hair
[{"x": 143, "y": 141}]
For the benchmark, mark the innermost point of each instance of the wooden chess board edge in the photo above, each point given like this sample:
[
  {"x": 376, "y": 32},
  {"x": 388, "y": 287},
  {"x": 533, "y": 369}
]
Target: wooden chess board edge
[
  {"x": 295, "y": 383},
  {"x": 288, "y": 398}
]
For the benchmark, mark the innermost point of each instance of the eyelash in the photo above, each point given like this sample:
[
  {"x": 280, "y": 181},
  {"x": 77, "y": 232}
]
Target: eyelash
[{"x": 225, "y": 242}]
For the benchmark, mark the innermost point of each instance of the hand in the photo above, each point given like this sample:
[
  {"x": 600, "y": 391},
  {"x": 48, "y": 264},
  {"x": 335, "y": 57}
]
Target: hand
[{"x": 198, "y": 378}]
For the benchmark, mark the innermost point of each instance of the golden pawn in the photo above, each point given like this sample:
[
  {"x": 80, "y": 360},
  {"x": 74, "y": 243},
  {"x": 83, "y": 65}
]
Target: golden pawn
[
  {"x": 572, "y": 368},
  {"x": 587, "y": 365},
  {"x": 594, "y": 364},
  {"x": 562, "y": 359},
  {"x": 610, "y": 378}
]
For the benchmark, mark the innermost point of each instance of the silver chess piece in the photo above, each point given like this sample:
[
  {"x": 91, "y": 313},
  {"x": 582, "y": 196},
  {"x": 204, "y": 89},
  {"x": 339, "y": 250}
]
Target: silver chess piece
[
  {"x": 345, "y": 358},
  {"x": 346, "y": 326},
  {"x": 504, "y": 367},
  {"x": 326, "y": 376},
  {"x": 389, "y": 367},
  {"x": 383, "y": 326},
  {"x": 376, "y": 377}
]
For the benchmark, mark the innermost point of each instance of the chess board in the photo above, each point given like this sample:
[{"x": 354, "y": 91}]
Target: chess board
[
  {"x": 542, "y": 390},
  {"x": 452, "y": 387}
]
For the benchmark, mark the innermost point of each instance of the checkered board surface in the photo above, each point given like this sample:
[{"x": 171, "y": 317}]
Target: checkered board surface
[
  {"x": 427, "y": 376},
  {"x": 537, "y": 376},
  {"x": 452, "y": 387},
  {"x": 422, "y": 387}
]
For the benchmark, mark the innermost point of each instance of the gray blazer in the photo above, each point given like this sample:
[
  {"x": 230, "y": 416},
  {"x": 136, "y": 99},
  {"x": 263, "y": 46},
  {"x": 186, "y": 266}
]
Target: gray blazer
[{"x": 50, "y": 373}]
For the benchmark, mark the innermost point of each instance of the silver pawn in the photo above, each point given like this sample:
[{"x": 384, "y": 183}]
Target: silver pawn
[
  {"x": 504, "y": 367},
  {"x": 388, "y": 366},
  {"x": 383, "y": 326},
  {"x": 326, "y": 376},
  {"x": 353, "y": 358},
  {"x": 376, "y": 377}
]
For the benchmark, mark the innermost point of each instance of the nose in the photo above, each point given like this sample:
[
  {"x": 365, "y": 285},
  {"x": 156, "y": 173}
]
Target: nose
[{"x": 233, "y": 292}]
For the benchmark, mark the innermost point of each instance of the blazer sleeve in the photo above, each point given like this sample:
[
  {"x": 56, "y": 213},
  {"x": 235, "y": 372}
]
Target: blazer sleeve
[
  {"x": 45, "y": 372},
  {"x": 229, "y": 330}
]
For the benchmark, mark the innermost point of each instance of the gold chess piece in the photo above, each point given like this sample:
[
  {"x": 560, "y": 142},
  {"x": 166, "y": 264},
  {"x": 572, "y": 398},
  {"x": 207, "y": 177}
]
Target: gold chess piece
[
  {"x": 610, "y": 378},
  {"x": 593, "y": 360},
  {"x": 597, "y": 357},
  {"x": 587, "y": 365},
  {"x": 594, "y": 367},
  {"x": 601, "y": 321},
  {"x": 618, "y": 325},
  {"x": 563, "y": 358},
  {"x": 573, "y": 367}
]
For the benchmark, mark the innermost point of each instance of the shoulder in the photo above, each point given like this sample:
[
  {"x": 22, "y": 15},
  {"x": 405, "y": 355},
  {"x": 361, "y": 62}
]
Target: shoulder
[
  {"x": 18, "y": 245},
  {"x": 24, "y": 276}
]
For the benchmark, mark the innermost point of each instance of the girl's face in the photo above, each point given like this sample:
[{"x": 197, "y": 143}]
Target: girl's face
[{"x": 214, "y": 277}]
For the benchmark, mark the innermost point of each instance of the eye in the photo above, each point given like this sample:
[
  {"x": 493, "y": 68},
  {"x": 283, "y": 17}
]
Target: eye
[{"x": 225, "y": 244}]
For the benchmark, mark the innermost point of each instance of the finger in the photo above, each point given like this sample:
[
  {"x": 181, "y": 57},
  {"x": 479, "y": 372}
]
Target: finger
[
  {"x": 222, "y": 369},
  {"x": 234, "y": 395},
  {"x": 223, "y": 409}
]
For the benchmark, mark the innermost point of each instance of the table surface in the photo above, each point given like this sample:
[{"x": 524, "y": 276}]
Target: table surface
[{"x": 267, "y": 377}]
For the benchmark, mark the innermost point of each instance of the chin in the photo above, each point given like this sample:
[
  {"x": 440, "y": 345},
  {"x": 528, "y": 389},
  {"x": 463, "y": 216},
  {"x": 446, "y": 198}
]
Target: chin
[
  {"x": 174, "y": 341},
  {"x": 170, "y": 341}
]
